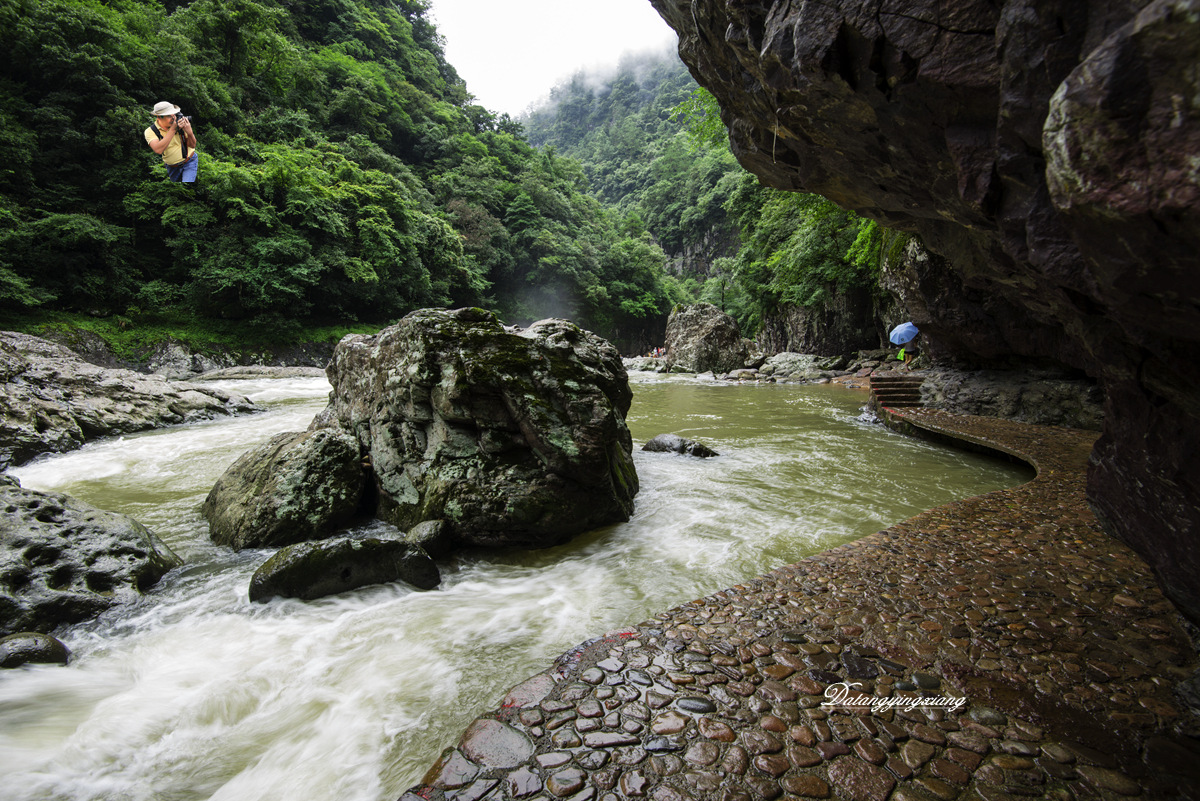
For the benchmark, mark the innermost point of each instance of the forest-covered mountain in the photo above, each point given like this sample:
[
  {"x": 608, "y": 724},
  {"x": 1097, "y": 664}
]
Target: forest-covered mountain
[
  {"x": 345, "y": 174},
  {"x": 652, "y": 145}
]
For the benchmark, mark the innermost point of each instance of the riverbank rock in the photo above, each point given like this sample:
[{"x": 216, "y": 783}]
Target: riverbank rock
[
  {"x": 65, "y": 561},
  {"x": 32, "y": 647},
  {"x": 310, "y": 570},
  {"x": 296, "y": 486},
  {"x": 673, "y": 443},
  {"x": 513, "y": 437},
  {"x": 52, "y": 401},
  {"x": 701, "y": 338}
]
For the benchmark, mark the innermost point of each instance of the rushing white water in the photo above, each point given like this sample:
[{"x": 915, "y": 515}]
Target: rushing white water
[{"x": 195, "y": 693}]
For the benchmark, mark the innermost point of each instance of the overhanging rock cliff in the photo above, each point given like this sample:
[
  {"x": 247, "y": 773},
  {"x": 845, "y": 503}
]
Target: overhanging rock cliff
[{"x": 1047, "y": 151}]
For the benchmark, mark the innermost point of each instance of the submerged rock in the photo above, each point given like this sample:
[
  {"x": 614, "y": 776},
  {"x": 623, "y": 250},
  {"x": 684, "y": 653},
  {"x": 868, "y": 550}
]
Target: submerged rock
[
  {"x": 672, "y": 443},
  {"x": 513, "y": 437},
  {"x": 310, "y": 570},
  {"x": 53, "y": 401},
  {"x": 65, "y": 561},
  {"x": 701, "y": 338},
  {"x": 294, "y": 487},
  {"x": 32, "y": 647}
]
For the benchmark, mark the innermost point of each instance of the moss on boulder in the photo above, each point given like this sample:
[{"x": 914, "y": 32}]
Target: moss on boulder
[
  {"x": 297, "y": 486},
  {"x": 511, "y": 436}
]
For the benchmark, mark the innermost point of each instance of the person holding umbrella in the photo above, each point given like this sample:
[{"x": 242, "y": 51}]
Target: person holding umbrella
[{"x": 903, "y": 335}]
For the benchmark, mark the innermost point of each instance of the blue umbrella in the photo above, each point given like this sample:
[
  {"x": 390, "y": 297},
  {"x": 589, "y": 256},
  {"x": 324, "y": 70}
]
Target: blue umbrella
[{"x": 905, "y": 332}]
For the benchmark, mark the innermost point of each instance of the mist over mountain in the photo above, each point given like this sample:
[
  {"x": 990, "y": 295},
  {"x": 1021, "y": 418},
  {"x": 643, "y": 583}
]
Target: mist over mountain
[{"x": 652, "y": 146}]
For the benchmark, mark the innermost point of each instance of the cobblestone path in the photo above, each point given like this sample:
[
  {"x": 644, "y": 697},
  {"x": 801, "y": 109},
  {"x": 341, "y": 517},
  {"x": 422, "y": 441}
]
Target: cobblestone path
[{"x": 998, "y": 647}]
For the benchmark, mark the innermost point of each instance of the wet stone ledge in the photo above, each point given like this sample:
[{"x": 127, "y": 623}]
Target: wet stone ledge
[{"x": 1043, "y": 655}]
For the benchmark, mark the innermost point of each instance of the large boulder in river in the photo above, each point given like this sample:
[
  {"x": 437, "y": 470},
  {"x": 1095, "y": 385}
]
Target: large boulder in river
[
  {"x": 65, "y": 561},
  {"x": 513, "y": 437},
  {"x": 294, "y": 487},
  {"x": 52, "y": 401},
  {"x": 310, "y": 570},
  {"x": 701, "y": 338}
]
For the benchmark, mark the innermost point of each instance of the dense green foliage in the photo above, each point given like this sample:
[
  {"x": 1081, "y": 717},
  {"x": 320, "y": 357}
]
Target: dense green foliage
[
  {"x": 626, "y": 131},
  {"x": 652, "y": 144},
  {"x": 345, "y": 174},
  {"x": 797, "y": 249}
]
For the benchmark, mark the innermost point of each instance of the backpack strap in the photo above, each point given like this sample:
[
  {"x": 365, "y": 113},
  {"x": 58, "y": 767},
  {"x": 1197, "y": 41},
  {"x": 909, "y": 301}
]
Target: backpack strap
[{"x": 182, "y": 142}]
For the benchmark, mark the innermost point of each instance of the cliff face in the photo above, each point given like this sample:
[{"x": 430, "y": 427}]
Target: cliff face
[
  {"x": 844, "y": 323},
  {"x": 1049, "y": 152}
]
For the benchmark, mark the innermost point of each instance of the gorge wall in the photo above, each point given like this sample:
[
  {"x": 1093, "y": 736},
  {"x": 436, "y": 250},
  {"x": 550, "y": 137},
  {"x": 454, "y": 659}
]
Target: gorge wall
[{"x": 1047, "y": 151}]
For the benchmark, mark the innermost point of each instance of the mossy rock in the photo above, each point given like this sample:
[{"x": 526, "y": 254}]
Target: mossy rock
[
  {"x": 513, "y": 437},
  {"x": 297, "y": 486}
]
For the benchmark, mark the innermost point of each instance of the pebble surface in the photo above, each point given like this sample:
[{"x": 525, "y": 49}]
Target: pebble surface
[{"x": 999, "y": 647}]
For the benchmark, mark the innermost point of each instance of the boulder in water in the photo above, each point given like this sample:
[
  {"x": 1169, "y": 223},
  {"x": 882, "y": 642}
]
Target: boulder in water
[
  {"x": 513, "y": 437},
  {"x": 65, "y": 561},
  {"x": 296, "y": 486},
  {"x": 701, "y": 338},
  {"x": 310, "y": 570},
  {"x": 32, "y": 647},
  {"x": 673, "y": 443}
]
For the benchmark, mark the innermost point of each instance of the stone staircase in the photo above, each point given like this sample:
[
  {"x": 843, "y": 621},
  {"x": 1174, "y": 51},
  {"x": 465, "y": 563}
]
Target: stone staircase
[{"x": 896, "y": 391}]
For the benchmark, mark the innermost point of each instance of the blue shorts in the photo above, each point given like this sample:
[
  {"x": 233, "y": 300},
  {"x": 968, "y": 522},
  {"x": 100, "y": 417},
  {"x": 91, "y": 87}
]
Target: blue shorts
[{"x": 185, "y": 172}]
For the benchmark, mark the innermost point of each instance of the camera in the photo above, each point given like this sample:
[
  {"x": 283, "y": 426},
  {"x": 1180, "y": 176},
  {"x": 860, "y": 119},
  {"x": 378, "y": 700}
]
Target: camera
[{"x": 179, "y": 117}]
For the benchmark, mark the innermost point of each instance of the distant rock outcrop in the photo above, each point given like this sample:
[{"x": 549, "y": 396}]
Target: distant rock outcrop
[
  {"x": 65, "y": 561},
  {"x": 53, "y": 401},
  {"x": 512, "y": 437},
  {"x": 702, "y": 338},
  {"x": 1044, "y": 154}
]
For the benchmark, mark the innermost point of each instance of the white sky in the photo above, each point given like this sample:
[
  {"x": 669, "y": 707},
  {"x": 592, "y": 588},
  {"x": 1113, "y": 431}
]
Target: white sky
[{"x": 512, "y": 52}]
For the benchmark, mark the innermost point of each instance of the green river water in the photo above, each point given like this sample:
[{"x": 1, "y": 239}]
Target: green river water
[{"x": 195, "y": 693}]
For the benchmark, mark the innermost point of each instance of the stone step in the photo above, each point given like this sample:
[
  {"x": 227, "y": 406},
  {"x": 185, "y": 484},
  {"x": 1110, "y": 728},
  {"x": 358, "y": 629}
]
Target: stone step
[
  {"x": 896, "y": 391},
  {"x": 897, "y": 380}
]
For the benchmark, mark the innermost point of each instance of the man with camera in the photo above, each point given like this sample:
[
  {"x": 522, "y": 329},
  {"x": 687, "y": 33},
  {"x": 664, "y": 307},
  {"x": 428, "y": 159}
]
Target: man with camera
[{"x": 172, "y": 138}]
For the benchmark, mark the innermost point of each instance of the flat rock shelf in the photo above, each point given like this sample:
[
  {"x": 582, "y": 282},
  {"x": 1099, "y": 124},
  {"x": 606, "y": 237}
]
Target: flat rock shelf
[{"x": 1001, "y": 646}]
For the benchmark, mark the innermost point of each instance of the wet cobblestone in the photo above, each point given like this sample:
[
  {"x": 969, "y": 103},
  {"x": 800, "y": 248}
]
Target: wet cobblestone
[{"x": 999, "y": 647}]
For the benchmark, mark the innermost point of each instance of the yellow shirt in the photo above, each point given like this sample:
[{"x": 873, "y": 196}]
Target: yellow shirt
[{"x": 174, "y": 153}]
